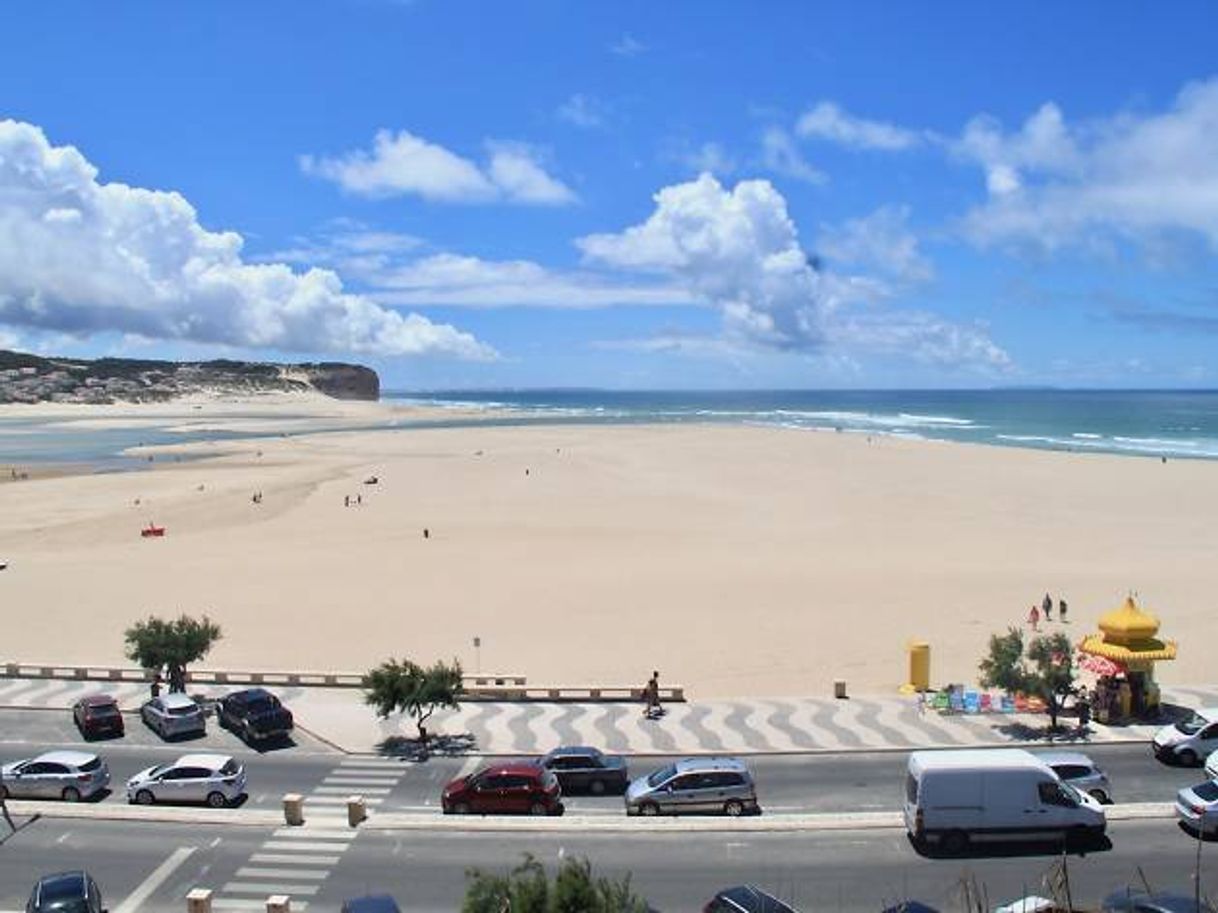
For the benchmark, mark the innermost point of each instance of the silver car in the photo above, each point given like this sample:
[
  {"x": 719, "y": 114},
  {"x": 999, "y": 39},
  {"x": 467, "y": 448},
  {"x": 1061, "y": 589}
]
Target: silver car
[
  {"x": 1080, "y": 772},
  {"x": 722, "y": 785},
  {"x": 174, "y": 714},
  {"x": 216, "y": 779},
  {"x": 67, "y": 775}
]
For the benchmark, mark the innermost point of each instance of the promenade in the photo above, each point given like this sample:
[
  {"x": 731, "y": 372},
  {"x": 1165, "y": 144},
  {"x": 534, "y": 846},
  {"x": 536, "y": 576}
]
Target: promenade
[{"x": 756, "y": 726}]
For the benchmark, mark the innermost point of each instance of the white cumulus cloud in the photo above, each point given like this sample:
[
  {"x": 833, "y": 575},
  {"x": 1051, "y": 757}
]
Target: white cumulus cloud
[
  {"x": 827, "y": 121},
  {"x": 881, "y": 241},
  {"x": 1137, "y": 177},
  {"x": 401, "y": 164},
  {"x": 780, "y": 155},
  {"x": 137, "y": 261}
]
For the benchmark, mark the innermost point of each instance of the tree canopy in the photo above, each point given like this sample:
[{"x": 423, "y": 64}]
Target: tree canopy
[
  {"x": 1045, "y": 668},
  {"x": 527, "y": 889},
  {"x": 173, "y": 643},
  {"x": 403, "y": 686}
]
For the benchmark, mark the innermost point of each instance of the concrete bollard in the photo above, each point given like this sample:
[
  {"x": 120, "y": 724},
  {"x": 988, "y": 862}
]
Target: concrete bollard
[
  {"x": 279, "y": 903},
  {"x": 198, "y": 900},
  {"x": 357, "y": 811},
  {"x": 293, "y": 809},
  {"x": 839, "y": 688}
]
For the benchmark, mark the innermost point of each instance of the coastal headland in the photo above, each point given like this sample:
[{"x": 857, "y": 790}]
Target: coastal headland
[{"x": 739, "y": 561}]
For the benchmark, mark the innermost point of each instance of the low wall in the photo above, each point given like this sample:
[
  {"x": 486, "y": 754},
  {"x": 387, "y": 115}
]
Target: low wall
[{"x": 489, "y": 687}]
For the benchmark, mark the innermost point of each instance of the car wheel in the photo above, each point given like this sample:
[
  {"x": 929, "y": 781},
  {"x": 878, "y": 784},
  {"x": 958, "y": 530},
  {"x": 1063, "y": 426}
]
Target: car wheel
[
  {"x": 217, "y": 800},
  {"x": 597, "y": 787},
  {"x": 1100, "y": 796},
  {"x": 144, "y": 797},
  {"x": 650, "y": 809},
  {"x": 1188, "y": 757},
  {"x": 70, "y": 794},
  {"x": 537, "y": 808},
  {"x": 733, "y": 808},
  {"x": 461, "y": 808},
  {"x": 954, "y": 842}
]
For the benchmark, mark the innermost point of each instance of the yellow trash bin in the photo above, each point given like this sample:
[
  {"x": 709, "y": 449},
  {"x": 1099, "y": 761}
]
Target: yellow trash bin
[{"x": 919, "y": 665}]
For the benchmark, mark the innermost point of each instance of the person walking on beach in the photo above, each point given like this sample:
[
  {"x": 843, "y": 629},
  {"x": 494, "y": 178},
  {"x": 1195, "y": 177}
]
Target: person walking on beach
[
  {"x": 1034, "y": 618},
  {"x": 1046, "y": 606},
  {"x": 1061, "y": 611}
]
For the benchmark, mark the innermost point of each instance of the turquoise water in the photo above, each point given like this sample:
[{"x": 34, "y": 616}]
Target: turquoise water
[{"x": 1177, "y": 424}]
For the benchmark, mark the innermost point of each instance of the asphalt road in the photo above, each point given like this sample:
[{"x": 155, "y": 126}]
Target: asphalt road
[
  {"x": 838, "y": 870},
  {"x": 862, "y": 781}
]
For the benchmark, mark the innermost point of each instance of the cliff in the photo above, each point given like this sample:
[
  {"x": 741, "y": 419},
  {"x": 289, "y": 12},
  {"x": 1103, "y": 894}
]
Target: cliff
[{"x": 28, "y": 378}]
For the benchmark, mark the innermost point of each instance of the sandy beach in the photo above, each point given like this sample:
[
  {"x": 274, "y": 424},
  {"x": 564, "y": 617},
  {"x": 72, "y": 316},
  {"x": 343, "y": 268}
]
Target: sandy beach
[{"x": 739, "y": 561}]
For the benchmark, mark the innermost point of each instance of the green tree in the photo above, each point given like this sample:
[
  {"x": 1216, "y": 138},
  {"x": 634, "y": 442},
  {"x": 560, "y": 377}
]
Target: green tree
[
  {"x": 173, "y": 643},
  {"x": 1045, "y": 668},
  {"x": 526, "y": 889},
  {"x": 403, "y": 686}
]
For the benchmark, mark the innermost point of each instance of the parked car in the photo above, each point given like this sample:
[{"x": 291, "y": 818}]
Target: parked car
[
  {"x": 1197, "y": 807},
  {"x": 67, "y": 775},
  {"x": 174, "y": 714},
  {"x": 517, "y": 786},
  {"x": 694, "y": 785},
  {"x": 586, "y": 770},
  {"x": 1188, "y": 741},
  {"x": 962, "y": 795},
  {"x": 745, "y": 898},
  {"x": 1079, "y": 771},
  {"x": 1211, "y": 765},
  {"x": 215, "y": 779},
  {"x": 96, "y": 715},
  {"x": 254, "y": 714},
  {"x": 373, "y": 903},
  {"x": 1128, "y": 900},
  {"x": 65, "y": 892}
]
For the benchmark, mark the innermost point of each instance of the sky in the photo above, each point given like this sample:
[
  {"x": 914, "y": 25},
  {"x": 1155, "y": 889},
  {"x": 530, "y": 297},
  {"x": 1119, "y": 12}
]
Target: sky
[{"x": 627, "y": 195}]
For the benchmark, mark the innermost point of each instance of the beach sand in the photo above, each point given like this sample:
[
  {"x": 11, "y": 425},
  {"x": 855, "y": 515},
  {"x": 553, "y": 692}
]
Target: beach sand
[{"x": 739, "y": 561}]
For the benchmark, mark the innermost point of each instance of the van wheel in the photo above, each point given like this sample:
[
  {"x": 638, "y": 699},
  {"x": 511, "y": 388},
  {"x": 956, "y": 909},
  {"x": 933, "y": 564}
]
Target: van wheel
[
  {"x": 954, "y": 842},
  {"x": 1188, "y": 757},
  {"x": 216, "y": 800},
  {"x": 597, "y": 787},
  {"x": 734, "y": 808},
  {"x": 650, "y": 809},
  {"x": 70, "y": 794}
]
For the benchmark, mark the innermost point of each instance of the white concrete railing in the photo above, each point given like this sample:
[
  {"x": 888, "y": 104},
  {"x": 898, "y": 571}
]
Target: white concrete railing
[{"x": 477, "y": 686}]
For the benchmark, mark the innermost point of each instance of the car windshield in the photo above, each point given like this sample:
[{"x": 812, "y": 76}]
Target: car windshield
[
  {"x": 230, "y": 768},
  {"x": 1074, "y": 793},
  {"x": 1207, "y": 791},
  {"x": 1192, "y": 725},
  {"x": 184, "y": 710},
  {"x": 158, "y": 770},
  {"x": 63, "y": 894},
  {"x": 103, "y": 709},
  {"x": 261, "y": 705},
  {"x": 662, "y": 775}
]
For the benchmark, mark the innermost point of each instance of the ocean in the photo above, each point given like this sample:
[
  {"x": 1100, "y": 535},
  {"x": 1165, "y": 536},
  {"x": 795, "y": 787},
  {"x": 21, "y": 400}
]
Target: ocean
[{"x": 1176, "y": 424}]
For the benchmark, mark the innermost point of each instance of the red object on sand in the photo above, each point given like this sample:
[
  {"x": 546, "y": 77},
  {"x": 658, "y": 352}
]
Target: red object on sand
[{"x": 150, "y": 530}]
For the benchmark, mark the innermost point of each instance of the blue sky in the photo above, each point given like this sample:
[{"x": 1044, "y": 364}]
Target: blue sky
[{"x": 621, "y": 195}]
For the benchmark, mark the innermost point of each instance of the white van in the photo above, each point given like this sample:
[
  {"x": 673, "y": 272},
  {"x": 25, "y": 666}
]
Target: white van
[
  {"x": 953, "y": 797},
  {"x": 1189, "y": 741}
]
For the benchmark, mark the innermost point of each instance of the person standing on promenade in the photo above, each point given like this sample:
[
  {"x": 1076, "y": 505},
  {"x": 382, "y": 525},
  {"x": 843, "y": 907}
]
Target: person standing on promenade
[
  {"x": 1034, "y": 618},
  {"x": 1061, "y": 611},
  {"x": 1046, "y": 606},
  {"x": 651, "y": 697}
]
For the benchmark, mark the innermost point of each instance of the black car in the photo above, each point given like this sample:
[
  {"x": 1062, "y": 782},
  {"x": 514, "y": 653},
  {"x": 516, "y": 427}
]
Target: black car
[
  {"x": 66, "y": 892},
  {"x": 586, "y": 770},
  {"x": 1138, "y": 901},
  {"x": 254, "y": 714},
  {"x": 745, "y": 898}
]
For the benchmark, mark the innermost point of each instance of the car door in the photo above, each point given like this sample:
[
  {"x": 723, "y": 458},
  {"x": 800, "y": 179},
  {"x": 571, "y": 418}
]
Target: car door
[
  {"x": 684, "y": 793},
  {"x": 487, "y": 794},
  {"x": 195, "y": 784},
  {"x": 519, "y": 792},
  {"x": 168, "y": 786},
  {"x": 1207, "y": 740},
  {"x": 1054, "y": 807},
  {"x": 154, "y": 715},
  {"x": 23, "y": 782},
  {"x": 577, "y": 773}
]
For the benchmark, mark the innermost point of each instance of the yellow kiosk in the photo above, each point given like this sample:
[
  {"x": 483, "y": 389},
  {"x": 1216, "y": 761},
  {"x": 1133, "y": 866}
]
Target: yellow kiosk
[{"x": 1127, "y": 639}]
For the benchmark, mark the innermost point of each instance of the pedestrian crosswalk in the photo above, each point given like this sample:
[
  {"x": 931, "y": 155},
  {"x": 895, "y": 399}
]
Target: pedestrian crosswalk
[{"x": 296, "y": 861}]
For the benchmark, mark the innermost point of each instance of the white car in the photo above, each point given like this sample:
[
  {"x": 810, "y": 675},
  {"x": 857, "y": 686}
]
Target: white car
[
  {"x": 1197, "y": 807},
  {"x": 215, "y": 779},
  {"x": 174, "y": 714},
  {"x": 1189, "y": 741},
  {"x": 67, "y": 775},
  {"x": 1211, "y": 766}
]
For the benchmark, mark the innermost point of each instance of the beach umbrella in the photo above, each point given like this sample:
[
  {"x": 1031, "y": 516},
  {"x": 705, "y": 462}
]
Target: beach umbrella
[{"x": 1100, "y": 665}]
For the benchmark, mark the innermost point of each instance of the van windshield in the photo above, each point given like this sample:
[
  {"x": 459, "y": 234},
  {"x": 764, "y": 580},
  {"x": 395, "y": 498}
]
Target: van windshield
[
  {"x": 662, "y": 775},
  {"x": 1192, "y": 725}
]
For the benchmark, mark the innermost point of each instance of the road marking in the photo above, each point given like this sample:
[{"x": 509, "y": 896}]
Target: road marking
[
  {"x": 269, "y": 887},
  {"x": 315, "y": 833},
  {"x": 338, "y": 800},
  {"x": 162, "y": 872},
  {"x": 300, "y": 845},
  {"x": 285, "y": 859},
  {"x": 251, "y": 871},
  {"x": 370, "y": 780},
  {"x": 215, "y": 843},
  {"x": 237, "y": 903},
  {"x": 64, "y": 837},
  {"x": 347, "y": 790}
]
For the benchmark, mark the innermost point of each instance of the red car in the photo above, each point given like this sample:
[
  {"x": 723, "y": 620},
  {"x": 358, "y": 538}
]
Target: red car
[
  {"x": 97, "y": 714},
  {"x": 514, "y": 787}
]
